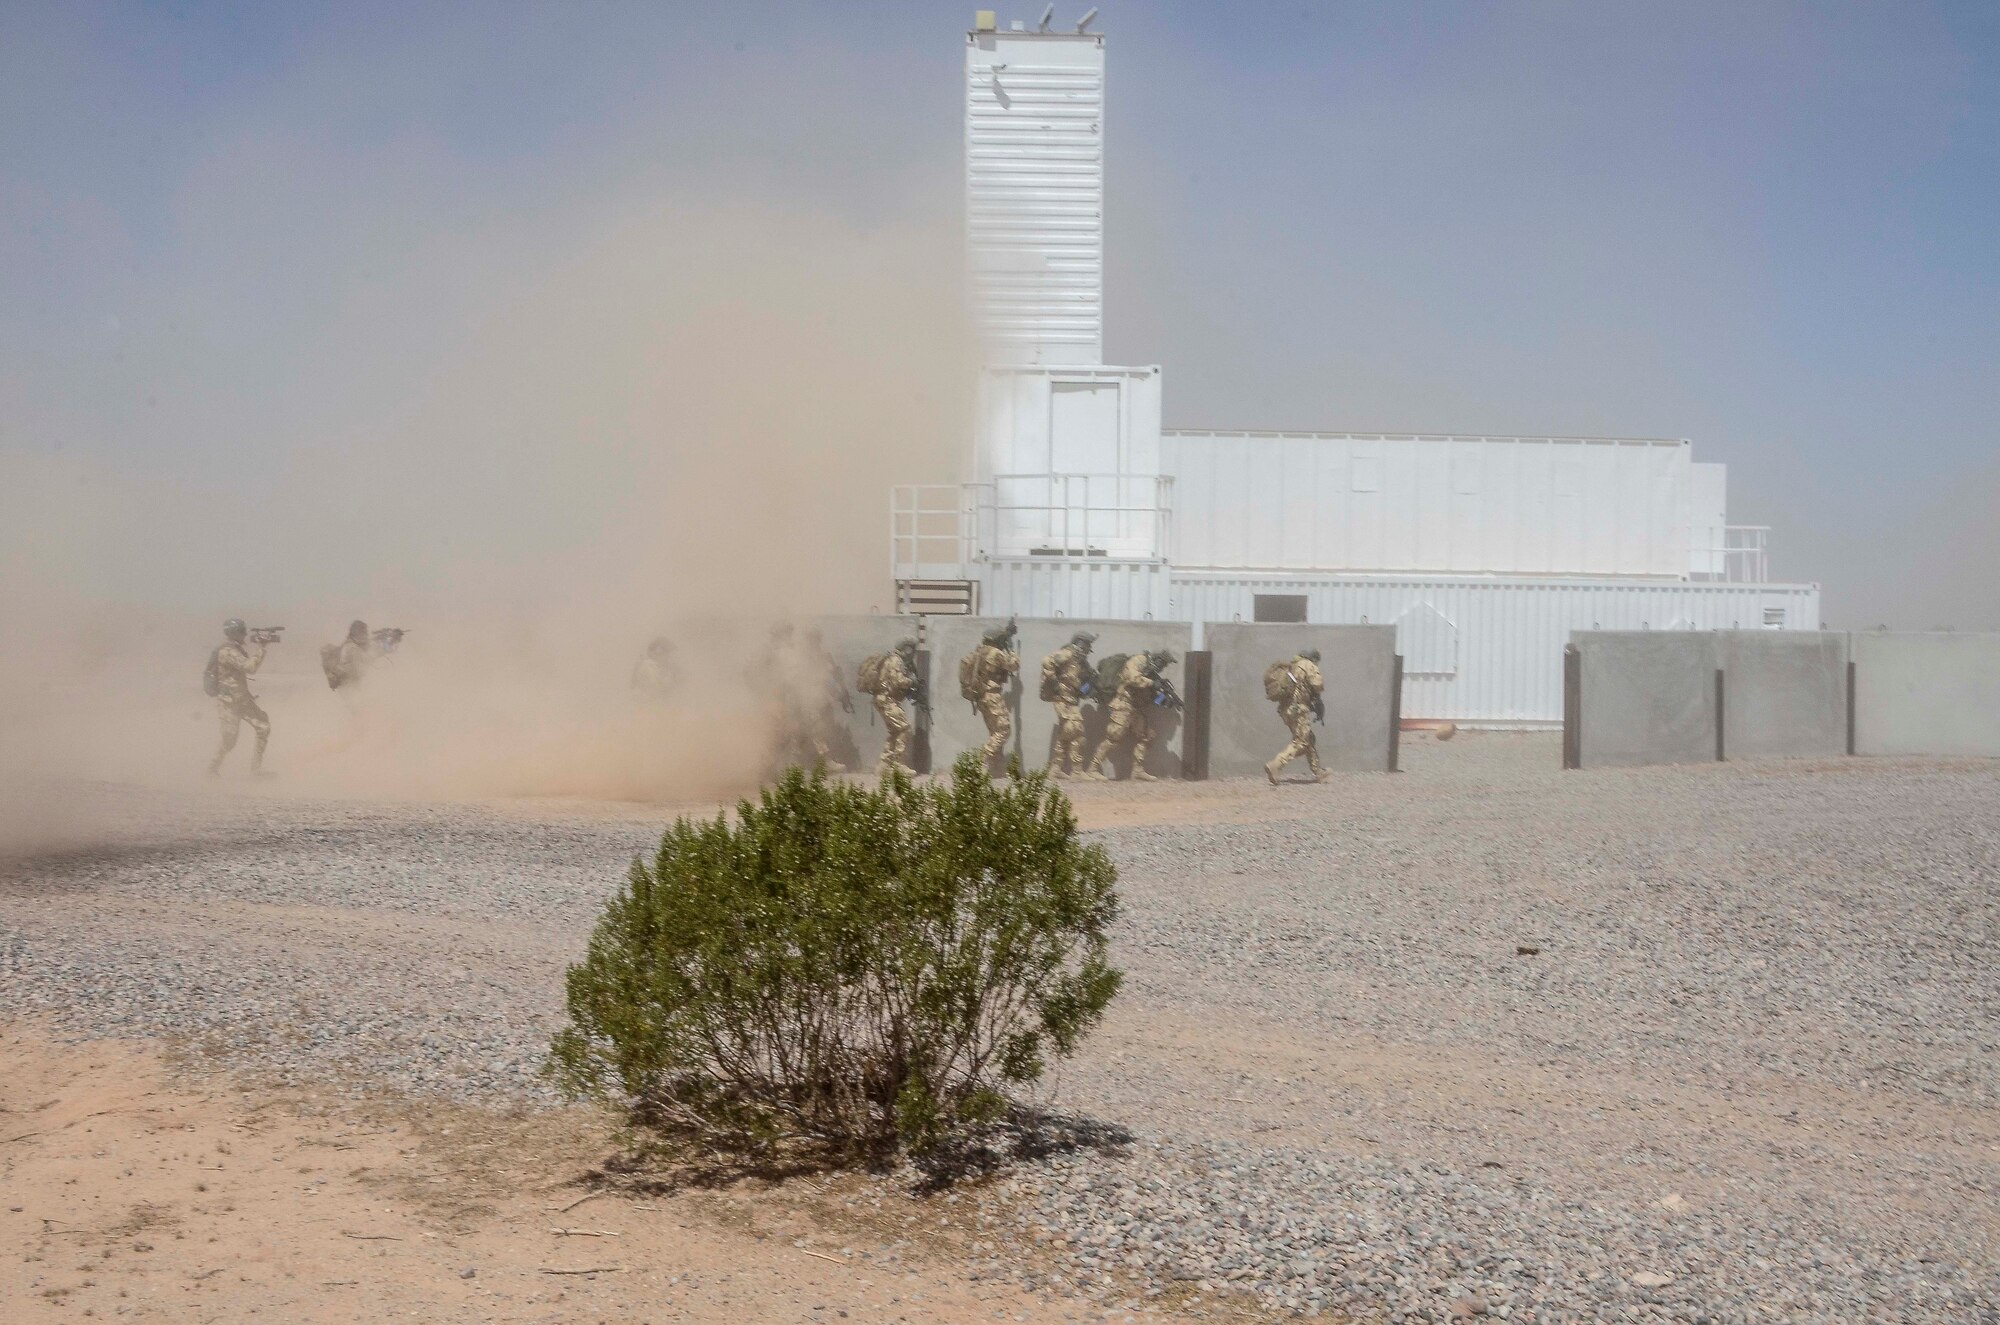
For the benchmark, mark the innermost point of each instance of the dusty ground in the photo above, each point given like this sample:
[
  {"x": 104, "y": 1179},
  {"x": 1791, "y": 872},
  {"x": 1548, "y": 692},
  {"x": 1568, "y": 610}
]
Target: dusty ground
[{"x": 130, "y": 1193}]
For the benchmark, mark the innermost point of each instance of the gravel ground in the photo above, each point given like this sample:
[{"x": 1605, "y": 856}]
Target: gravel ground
[{"x": 1480, "y": 1039}]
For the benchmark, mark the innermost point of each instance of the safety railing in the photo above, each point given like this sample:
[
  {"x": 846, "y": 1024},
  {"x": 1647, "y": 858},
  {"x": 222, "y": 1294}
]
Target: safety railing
[{"x": 937, "y": 531}]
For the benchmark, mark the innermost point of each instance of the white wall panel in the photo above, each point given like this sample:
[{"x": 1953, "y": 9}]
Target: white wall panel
[
  {"x": 1432, "y": 504},
  {"x": 1502, "y": 637}
]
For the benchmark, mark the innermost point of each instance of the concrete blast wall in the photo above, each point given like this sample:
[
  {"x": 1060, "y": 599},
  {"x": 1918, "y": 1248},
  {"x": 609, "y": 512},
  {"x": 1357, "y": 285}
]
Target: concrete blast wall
[
  {"x": 958, "y": 728},
  {"x": 1932, "y": 694},
  {"x": 1784, "y": 693},
  {"x": 1647, "y": 697},
  {"x": 849, "y": 639},
  {"x": 1245, "y": 732}
]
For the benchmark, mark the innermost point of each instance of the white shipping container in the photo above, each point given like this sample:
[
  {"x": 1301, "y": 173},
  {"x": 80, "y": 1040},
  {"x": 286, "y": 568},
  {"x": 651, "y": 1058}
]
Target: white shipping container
[
  {"x": 1488, "y": 651},
  {"x": 1385, "y": 502}
]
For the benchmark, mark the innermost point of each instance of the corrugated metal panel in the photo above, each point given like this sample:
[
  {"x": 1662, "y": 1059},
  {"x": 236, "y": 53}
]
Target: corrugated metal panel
[
  {"x": 1034, "y": 194},
  {"x": 1509, "y": 632},
  {"x": 1409, "y": 503},
  {"x": 1113, "y": 590}
]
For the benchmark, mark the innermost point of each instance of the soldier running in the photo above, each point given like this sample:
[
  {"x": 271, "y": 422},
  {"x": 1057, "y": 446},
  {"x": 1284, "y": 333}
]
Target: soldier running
[
  {"x": 229, "y": 671},
  {"x": 1300, "y": 688},
  {"x": 1141, "y": 689},
  {"x": 1066, "y": 680}
]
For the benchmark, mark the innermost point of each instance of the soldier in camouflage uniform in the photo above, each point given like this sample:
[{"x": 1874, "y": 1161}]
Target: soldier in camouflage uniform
[
  {"x": 1066, "y": 679},
  {"x": 895, "y": 683},
  {"x": 355, "y": 654},
  {"x": 994, "y": 664},
  {"x": 815, "y": 686},
  {"x": 231, "y": 667},
  {"x": 1131, "y": 713},
  {"x": 1297, "y": 710},
  {"x": 655, "y": 675}
]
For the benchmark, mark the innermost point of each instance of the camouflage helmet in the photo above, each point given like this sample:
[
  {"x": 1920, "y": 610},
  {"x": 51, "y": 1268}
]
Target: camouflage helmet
[
  {"x": 1083, "y": 639},
  {"x": 1000, "y": 636},
  {"x": 1162, "y": 657},
  {"x": 234, "y": 627},
  {"x": 1310, "y": 655},
  {"x": 906, "y": 646},
  {"x": 357, "y": 630}
]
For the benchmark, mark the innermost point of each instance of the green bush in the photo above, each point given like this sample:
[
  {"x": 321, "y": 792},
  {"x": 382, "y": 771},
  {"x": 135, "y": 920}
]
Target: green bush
[{"x": 856, "y": 967}]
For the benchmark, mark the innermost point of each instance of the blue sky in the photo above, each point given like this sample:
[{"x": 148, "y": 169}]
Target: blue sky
[{"x": 233, "y": 233}]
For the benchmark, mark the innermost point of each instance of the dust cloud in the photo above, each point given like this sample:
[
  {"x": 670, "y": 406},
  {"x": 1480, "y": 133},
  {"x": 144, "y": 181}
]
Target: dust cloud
[{"x": 687, "y": 427}]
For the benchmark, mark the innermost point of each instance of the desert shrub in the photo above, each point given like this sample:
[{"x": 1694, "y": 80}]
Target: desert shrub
[{"x": 862, "y": 968}]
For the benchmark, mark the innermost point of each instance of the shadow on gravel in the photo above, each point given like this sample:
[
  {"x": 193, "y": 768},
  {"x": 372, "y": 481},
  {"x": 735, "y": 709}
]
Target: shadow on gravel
[{"x": 663, "y": 1166}]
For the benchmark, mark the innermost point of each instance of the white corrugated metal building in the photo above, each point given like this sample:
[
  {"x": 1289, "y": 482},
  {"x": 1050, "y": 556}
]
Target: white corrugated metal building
[{"x": 1484, "y": 551}]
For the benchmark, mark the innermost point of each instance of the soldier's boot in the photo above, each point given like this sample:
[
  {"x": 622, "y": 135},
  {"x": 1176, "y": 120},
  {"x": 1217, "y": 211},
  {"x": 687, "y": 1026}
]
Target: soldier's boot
[
  {"x": 1141, "y": 775},
  {"x": 1271, "y": 772},
  {"x": 1320, "y": 775}
]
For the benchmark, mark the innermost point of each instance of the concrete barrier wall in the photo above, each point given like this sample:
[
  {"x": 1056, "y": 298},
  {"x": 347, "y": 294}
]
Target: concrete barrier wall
[
  {"x": 1784, "y": 693},
  {"x": 1648, "y": 697},
  {"x": 1245, "y": 732},
  {"x": 849, "y": 639},
  {"x": 1933, "y": 694}
]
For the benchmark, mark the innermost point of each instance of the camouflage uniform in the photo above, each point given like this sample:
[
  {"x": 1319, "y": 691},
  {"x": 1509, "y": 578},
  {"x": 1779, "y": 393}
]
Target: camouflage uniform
[
  {"x": 994, "y": 667},
  {"x": 895, "y": 684},
  {"x": 654, "y": 676},
  {"x": 1298, "y": 709},
  {"x": 235, "y": 705},
  {"x": 1069, "y": 670},
  {"x": 354, "y": 658},
  {"x": 1131, "y": 713},
  {"x": 809, "y": 686}
]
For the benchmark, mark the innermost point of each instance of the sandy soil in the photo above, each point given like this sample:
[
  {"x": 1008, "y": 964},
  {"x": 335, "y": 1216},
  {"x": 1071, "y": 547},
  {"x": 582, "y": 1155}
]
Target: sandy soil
[{"x": 129, "y": 1191}]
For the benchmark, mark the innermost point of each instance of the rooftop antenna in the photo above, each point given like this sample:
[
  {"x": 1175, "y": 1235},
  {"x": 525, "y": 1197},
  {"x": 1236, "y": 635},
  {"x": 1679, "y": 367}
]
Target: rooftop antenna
[
  {"x": 1084, "y": 22},
  {"x": 1047, "y": 14}
]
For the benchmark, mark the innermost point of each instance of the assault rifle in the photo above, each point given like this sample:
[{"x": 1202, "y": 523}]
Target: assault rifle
[
  {"x": 388, "y": 637},
  {"x": 267, "y": 634},
  {"x": 1319, "y": 709},
  {"x": 920, "y": 699},
  {"x": 1164, "y": 693}
]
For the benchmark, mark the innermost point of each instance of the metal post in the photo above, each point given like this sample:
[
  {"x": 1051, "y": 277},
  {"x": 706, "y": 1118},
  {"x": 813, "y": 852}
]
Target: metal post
[
  {"x": 1720, "y": 718},
  {"x": 1396, "y": 717},
  {"x": 920, "y": 739},
  {"x": 1199, "y": 673},
  {"x": 1850, "y": 705},
  {"x": 1572, "y": 707}
]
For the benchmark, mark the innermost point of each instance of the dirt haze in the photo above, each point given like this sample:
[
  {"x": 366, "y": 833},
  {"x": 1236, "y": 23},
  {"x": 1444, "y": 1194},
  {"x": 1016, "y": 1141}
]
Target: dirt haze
[{"x": 686, "y": 425}]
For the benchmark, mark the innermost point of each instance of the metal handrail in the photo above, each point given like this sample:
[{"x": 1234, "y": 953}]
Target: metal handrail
[{"x": 968, "y": 520}]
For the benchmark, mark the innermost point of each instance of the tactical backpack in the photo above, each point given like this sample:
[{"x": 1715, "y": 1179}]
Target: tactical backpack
[
  {"x": 968, "y": 676},
  {"x": 329, "y": 662},
  {"x": 869, "y": 679},
  {"x": 211, "y": 675},
  {"x": 1108, "y": 672},
  {"x": 1278, "y": 681}
]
